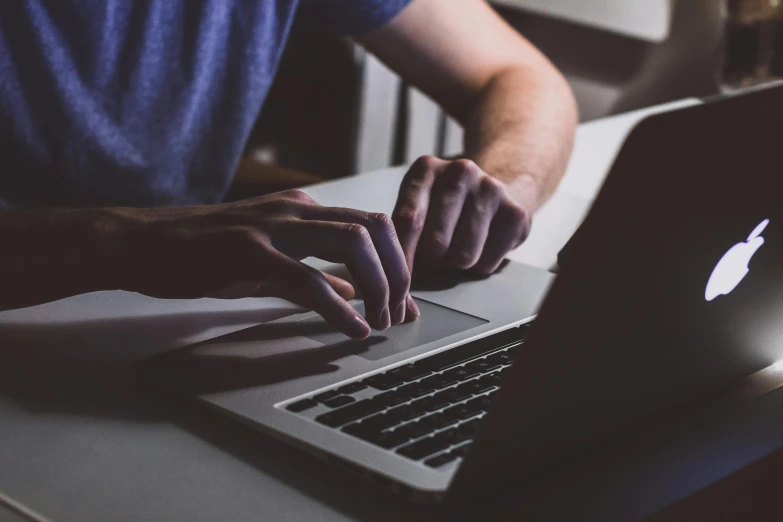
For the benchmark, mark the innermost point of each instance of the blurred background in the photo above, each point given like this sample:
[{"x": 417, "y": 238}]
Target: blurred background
[{"x": 335, "y": 110}]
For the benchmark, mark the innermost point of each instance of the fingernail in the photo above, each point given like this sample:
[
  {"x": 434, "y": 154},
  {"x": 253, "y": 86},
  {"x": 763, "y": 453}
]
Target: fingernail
[
  {"x": 362, "y": 331},
  {"x": 385, "y": 318},
  {"x": 413, "y": 309},
  {"x": 399, "y": 313}
]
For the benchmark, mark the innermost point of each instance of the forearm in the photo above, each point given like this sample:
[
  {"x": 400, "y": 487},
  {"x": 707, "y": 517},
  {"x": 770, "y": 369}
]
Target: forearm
[
  {"x": 54, "y": 253},
  {"x": 521, "y": 130}
]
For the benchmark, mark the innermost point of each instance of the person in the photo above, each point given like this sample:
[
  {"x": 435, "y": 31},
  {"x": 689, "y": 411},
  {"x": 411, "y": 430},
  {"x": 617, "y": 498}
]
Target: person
[{"x": 121, "y": 123}]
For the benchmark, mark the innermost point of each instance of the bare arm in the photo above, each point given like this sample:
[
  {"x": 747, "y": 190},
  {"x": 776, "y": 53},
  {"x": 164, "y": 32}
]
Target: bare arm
[{"x": 519, "y": 117}]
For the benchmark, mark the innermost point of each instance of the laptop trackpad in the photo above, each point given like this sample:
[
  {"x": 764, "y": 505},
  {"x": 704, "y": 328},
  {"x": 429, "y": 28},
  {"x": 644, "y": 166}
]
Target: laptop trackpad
[{"x": 436, "y": 322}]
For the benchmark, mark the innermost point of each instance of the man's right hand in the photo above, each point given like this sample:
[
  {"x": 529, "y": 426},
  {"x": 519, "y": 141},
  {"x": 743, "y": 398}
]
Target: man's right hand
[{"x": 258, "y": 245}]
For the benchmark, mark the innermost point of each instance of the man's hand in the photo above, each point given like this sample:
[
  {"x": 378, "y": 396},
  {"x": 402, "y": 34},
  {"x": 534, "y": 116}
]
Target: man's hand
[
  {"x": 519, "y": 117},
  {"x": 257, "y": 244},
  {"x": 451, "y": 214}
]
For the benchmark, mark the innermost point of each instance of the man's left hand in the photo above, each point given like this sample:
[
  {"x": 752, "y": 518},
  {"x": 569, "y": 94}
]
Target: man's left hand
[{"x": 453, "y": 215}]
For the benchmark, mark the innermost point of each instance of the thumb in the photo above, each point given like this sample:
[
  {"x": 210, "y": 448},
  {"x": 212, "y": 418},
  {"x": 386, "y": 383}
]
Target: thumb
[{"x": 343, "y": 288}]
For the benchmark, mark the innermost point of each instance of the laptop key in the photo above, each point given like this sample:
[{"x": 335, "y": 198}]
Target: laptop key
[
  {"x": 357, "y": 429},
  {"x": 438, "y": 421},
  {"x": 453, "y": 395},
  {"x": 351, "y": 388},
  {"x": 431, "y": 403},
  {"x": 480, "y": 366},
  {"x": 500, "y": 358},
  {"x": 391, "y": 398},
  {"x": 470, "y": 371},
  {"x": 336, "y": 402},
  {"x": 415, "y": 430},
  {"x": 422, "y": 448},
  {"x": 350, "y": 413},
  {"x": 379, "y": 422},
  {"x": 471, "y": 350},
  {"x": 321, "y": 397},
  {"x": 493, "y": 379},
  {"x": 406, "y": 412},
  {"x": 468, "y": 388},
  {"x": 476, "y": 404},
  {"x": 413, "y": 390},
  {"x": 409, "y": 372},
  {"x": 388, "y": 439},
  {"x": 440, "y": 460},
  {"x": 462, "y": 411},
  {"x": 456, "y": 375},
  {"x": 302, "y": 405},
  {"x": 381, "y": 382},
  {"x": 436, "y": 382},
  {"x": 385, "y": 439},
  {"x": 454, "y": 436},
  {"x": 476, "y": 386}
]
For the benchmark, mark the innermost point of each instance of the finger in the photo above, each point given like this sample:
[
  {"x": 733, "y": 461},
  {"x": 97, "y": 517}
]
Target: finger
[
  {"x": 446, "y": 201},
  {"x": 387, "y": 245},
  {"x": 411, "y": 310},
  {"x": 508, "y": 230},
  {"x": 308, "y": 287},
  {"x": 472, "y": 230},
  {"x": 410, "y": 212},
  {"x": 351, "y": 245}
]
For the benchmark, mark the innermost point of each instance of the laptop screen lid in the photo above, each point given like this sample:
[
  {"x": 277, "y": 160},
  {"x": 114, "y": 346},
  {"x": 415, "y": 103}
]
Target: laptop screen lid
[{"x": 673, "y": 291}]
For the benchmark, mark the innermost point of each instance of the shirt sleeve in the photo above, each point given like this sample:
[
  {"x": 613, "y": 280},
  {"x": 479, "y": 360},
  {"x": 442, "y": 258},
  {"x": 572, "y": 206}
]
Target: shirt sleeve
[{"x": 352, "y": 16}]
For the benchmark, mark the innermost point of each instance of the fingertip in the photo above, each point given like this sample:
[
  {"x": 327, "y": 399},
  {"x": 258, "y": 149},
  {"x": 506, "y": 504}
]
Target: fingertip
[
  {"x": 412, "y": 310},
  {"x": 359, "y": 329},
  {"x": 462, "y": 260}
]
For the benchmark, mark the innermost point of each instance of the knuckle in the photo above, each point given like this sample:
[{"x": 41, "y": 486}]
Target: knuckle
[
  {"x": 517, "y": 214},
  {"x": 297, "y": 195},
  {"x": 425, "y": 163},
  {"x": 479, "y": 206},
  {"x": 490, "y": 187},
  {"x": 438, "y": 241},
  {"x": 464, "y": 258},
  {"x": 380, "y": 220},
  {"x": 467, "y": 166},
  {"x": 409, "y": 219},
  {"x": 357, "y": 234}
]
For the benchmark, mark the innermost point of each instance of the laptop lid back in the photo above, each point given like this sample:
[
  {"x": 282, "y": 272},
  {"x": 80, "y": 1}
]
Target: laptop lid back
[{"x": 672, "y": 292}]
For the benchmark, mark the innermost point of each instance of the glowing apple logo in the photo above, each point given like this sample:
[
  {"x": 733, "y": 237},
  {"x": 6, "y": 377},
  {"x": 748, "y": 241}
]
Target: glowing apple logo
[{"x": 733, "y": 266}]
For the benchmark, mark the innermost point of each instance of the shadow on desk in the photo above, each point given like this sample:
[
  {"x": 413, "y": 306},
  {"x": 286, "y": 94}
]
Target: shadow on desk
[{"x": 83, "y": 370}]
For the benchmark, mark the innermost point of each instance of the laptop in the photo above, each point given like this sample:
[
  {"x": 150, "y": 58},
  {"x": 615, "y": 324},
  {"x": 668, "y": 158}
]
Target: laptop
[{"x": 670, "y": 294}]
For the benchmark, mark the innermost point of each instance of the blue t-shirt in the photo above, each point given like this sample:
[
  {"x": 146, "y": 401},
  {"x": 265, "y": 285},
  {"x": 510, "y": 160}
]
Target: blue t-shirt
[{"x": 141, "y": 102}]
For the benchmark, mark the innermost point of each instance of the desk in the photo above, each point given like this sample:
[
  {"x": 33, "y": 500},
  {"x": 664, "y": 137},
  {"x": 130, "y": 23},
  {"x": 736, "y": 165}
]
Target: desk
[{"x": 81, "y": 439}]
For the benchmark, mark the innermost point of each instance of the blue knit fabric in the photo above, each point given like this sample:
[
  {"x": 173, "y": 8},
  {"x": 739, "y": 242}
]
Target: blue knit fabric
[{"x": 141, "y": 102}]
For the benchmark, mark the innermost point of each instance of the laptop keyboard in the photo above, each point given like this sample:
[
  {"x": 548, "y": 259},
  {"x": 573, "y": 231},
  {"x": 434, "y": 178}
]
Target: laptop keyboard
[{"x": 426, "y": 411}]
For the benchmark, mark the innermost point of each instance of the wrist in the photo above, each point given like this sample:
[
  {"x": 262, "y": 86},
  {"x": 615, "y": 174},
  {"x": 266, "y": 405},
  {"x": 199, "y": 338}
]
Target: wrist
[
  {"x": 114, "y": 236},
  {"x": 525, "y": 188}
]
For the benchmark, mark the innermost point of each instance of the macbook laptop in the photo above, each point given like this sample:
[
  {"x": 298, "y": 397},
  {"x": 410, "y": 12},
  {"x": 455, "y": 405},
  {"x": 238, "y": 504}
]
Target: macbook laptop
[{"x": 671, "y": 292}]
